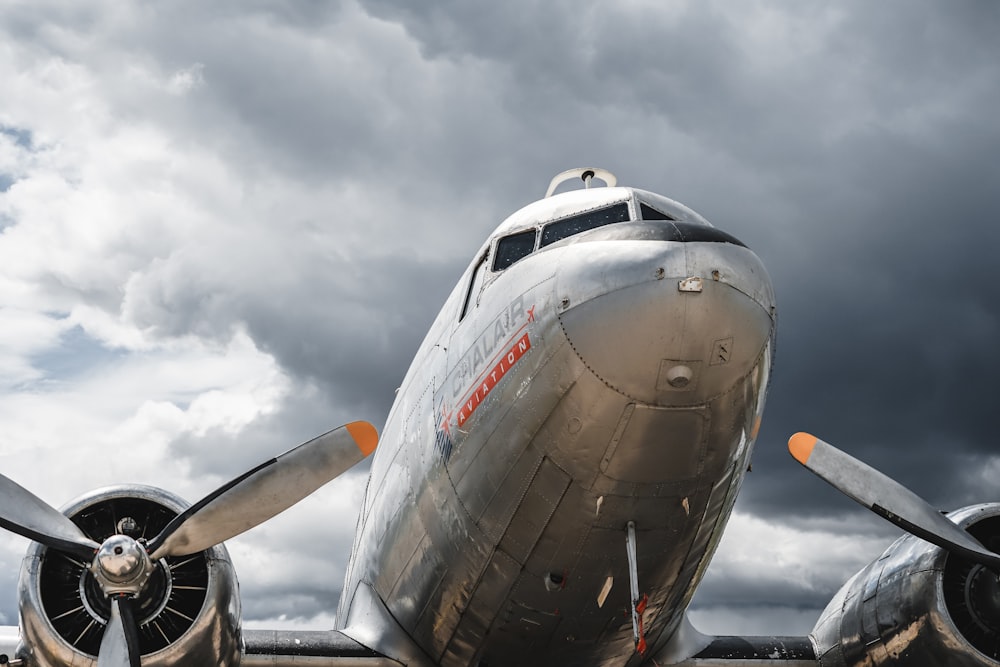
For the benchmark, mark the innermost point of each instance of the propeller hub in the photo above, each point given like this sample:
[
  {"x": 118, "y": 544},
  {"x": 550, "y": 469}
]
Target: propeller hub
[{"x": 122, "y": 566}]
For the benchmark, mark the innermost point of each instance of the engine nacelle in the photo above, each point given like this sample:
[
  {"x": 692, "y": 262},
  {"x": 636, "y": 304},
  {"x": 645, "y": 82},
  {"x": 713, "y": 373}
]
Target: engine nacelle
[
  {"x": 188, "y": 613},
  {"x": 917, "y": 605}
]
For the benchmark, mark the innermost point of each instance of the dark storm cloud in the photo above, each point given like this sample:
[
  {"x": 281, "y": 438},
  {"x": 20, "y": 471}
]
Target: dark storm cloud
[
  {"x": 352, "y": 334},
  {"x": 853, "y": 146},
  {"x": 865, "y": 146},
  {"x": 860, "y": 153},
  {"x": 346, "y": 99},
  {"x": 860, "y": 163},
  {"x": 366, "y": 365},
  {"x": 737, "y": 590},
  {"x": 889, "y": 315},
  {"x": 301, "y": 602}
]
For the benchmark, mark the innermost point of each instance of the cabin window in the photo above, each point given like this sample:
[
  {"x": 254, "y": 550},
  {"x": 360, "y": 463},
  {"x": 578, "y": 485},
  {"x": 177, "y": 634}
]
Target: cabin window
[
  {"x": 649, "y": 213},
  {"x": 512, "y": 248},
  {"x": 475, "y": 284},
  {"x": 560, "y": 229}
]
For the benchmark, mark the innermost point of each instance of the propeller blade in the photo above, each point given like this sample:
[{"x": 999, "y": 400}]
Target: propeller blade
[
  {"x": 120, "y": 643},
  {"x": 265, "y": 491},
  {"x": 887, "y": 498},
  {"x": 24, "y": 513}
]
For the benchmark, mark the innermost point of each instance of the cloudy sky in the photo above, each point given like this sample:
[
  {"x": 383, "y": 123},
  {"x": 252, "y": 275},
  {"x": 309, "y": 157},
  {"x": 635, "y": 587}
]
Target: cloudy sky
[{"x": 225, "y": 227}]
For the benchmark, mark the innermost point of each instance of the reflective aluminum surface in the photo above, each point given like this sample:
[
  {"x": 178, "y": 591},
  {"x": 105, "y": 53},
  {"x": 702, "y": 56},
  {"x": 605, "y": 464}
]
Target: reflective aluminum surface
[
  {"x": 213, "y": 638},
  {"x": 527, "y": 435},
  {"x": 894, "y": 612}
]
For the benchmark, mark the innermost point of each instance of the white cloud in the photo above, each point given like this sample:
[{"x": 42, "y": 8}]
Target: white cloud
[
  {"x": 298, "y": 558},
  {"x": 113, "y": 424},
  {"x": 24, "y": 333}
]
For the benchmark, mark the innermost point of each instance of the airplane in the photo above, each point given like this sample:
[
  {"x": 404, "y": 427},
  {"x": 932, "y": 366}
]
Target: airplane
[{"x": 552, "y": 480}]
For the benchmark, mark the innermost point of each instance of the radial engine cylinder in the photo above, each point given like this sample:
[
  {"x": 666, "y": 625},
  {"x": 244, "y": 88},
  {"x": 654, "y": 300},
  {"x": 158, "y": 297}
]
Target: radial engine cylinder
[
  {"x": 917, "y": 605},
  {"x": 188, "y": 612}
]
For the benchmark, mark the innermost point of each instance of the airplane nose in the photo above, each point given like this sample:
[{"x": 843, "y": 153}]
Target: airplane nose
[{"x": 668, "y": 342}]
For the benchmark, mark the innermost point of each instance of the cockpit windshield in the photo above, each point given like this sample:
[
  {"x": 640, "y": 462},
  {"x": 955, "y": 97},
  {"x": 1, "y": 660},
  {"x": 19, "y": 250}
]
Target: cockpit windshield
[
  {"x": 519, "y": 245},
  {"x": 650, "y": 213},
  {"x": 560, "y": 229},
  {"x": 512, "y": 248},
  {"x": 561, "y": 216}
]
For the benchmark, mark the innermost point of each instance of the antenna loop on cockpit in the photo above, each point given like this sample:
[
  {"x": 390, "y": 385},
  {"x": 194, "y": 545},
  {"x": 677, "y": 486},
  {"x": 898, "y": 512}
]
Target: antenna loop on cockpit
[{"x": 583, "y": 173}]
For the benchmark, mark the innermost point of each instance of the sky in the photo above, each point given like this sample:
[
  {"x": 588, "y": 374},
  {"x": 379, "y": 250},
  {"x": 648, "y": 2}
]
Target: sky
[{"x": 225, "y": 228}]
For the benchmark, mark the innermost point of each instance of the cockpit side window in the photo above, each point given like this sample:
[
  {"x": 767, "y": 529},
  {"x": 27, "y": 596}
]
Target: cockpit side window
[
  {"x": 560, "y": 229},
  {"x": 649, "y": 213},
  {"x": 512, "y": 248},
  {"x": 475, "y": 284}
]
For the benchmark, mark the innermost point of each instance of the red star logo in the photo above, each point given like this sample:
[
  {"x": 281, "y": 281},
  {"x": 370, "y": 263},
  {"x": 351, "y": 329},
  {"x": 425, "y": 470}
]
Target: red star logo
[{"x": 445, "y": 424}]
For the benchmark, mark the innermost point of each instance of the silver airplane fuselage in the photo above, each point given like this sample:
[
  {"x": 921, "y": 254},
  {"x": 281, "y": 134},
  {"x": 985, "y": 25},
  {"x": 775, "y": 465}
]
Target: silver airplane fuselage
[{"x": 582, "y": 376}]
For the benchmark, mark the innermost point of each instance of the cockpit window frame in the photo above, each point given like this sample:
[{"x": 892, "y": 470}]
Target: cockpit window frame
[
  {"x": 498, "y": 254},
  {"x": 655, "y": 213},
  {"x": 582, "y": 216},
  {"x": 476, "y": 279},
  {"x": 626, "y": 206}
]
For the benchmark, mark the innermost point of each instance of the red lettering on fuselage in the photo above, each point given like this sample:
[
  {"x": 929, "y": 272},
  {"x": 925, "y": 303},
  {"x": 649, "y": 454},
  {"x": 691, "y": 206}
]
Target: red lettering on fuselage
[{"x": 506, "y": 362}]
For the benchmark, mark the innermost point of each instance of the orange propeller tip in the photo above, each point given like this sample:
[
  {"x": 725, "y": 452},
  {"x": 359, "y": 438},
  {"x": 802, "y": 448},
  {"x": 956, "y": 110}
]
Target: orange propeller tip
[
  {"x": 365, "y": 436},
  {"x": 801, "y": 446}
]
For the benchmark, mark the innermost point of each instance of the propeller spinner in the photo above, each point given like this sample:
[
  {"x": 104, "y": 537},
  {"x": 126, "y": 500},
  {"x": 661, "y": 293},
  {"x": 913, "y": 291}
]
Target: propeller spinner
[{"x": 123, "y": 565}]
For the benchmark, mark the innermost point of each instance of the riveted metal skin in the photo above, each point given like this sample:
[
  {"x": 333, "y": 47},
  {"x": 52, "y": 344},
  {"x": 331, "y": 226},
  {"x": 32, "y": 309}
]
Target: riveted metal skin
[
  {"x": 895, "y": 611},
  {"x": 528, "y": 433},
  {"x": 289, "y": 648},
  {"x": 212, "y": 639}
]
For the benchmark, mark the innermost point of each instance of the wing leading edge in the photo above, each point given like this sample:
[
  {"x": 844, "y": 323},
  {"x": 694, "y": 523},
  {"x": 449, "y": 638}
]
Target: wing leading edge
[
  {"x": 288, "y": 648},
  {"x": 758, "y": 651},
  {"x": 690, "y": 648}
]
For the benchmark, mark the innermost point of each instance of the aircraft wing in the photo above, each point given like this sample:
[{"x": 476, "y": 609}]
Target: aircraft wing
[
  {"x": 749, "y": 651},
  {"x": 690, "y": 648},
  {"x": 278, "y": 648},
  {"x": 273, "y": 648},
  {"x": 286, "y": 648}
]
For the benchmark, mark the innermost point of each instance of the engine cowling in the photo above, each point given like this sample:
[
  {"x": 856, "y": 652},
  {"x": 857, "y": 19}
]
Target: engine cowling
[
  {"x": 188, "y": 612},
  {"x": 918, "y": 605}
]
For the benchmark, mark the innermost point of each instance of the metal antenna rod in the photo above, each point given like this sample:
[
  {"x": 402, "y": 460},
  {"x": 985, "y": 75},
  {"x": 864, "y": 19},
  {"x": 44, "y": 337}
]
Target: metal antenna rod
[{"x": 638, "y": 606}]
